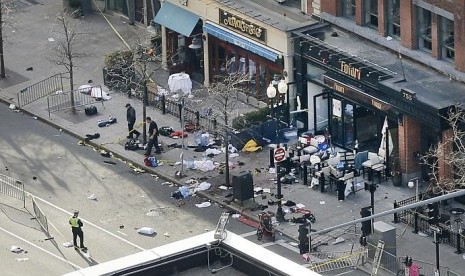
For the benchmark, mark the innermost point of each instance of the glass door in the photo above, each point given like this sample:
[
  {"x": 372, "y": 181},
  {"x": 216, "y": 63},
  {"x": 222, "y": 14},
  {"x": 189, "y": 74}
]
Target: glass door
[{"x": 321, "y": 109}]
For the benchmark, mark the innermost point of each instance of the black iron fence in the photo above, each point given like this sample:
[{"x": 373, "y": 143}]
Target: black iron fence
[
  {"x": 40, "y": 90},
  {"x": 418, "y": 220},
  {"x": 191, "y": 116}
]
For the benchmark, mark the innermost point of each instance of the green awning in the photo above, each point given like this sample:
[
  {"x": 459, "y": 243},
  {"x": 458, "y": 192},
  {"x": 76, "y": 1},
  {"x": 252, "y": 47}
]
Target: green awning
[{"x": 176, "y": 19}]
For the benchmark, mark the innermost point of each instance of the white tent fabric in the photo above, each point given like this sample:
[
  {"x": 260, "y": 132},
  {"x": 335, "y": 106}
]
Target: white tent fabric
[
  {"x": 98, "y": 93},
  {"x": 85, "y": 89},
  {"x": 384, "y": 131}
]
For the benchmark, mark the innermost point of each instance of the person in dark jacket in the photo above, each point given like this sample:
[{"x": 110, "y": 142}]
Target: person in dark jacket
[
  {"x": 153, "y": 137},
  {"x": 131, "y": 117}
]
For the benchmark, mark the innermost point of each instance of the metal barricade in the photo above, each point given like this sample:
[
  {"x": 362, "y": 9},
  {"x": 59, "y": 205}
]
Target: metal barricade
[
  {"x": 12, "y": 187},
  {"x": 41, "y": 218},
  {"x": 40, "y": 90},
  {"x": 81, "y": 97}
]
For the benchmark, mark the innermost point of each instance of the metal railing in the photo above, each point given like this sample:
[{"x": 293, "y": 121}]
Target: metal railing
[
  {"x": 41, "y": 218},
  {"x": 12, "y": 187},
  {"x": 82, "y": 97},
  {"x": 388, "y": 262},
  {"x": 40, "y": 90},
  {"x": 192, "y": 116}
]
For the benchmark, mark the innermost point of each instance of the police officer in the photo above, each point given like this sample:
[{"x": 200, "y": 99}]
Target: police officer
[{"x": 76, "y": 225}]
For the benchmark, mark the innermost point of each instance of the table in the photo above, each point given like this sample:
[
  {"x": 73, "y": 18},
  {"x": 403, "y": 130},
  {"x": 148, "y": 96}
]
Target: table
[{"x": 180, "y": 81}]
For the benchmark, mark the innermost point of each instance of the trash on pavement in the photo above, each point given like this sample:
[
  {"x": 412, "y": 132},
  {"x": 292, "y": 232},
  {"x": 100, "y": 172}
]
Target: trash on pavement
[
  {"x": 222, "y": 187},
  {"x": 16, "y": 249},
  {"x": 146, "y": 231},
  {"x": 235, "y": 216},
  {"x": 339, "y": 240},
  {"x": 251, "y": 146},
  {"x": 92, "y": 197},
  {"x": 203, "y": 204},
  {"x": 182, "y": 192},
  {"x": 166, "y": 234},
  {"x": 201, "y": 187},
  {"x": 12, "y": 106},
  {"x": 213, "y": 151},
  {"x": 322, "y": 202},
  {"x": 22, "y": 259},
  {"x": 68, "y": 244}
]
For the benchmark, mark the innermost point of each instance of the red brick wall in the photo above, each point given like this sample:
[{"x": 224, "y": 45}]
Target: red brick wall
[
  {"x": 409, "y": 142},
  {"x": 445, "y": 170},
  {"x": 382, "y": 18},
  {"x": 407, "y": 24},
  {"x": 330, "y": 6},
  {"x": 459, "y": 42},
  {"x": 358, "y": 12}
]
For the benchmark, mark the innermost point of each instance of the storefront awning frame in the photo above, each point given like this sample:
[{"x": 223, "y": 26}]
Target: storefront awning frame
[{"x": 176, "y": 19}]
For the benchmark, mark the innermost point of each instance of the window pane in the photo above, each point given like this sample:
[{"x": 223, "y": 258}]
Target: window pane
[
  {"x": 447, "y": 38},
  {"x": 394, "y": 18},
  {"x": 371, "y": 13},
  {"x": 424, "y": 29},
  {"x": 348, "y": 8}
]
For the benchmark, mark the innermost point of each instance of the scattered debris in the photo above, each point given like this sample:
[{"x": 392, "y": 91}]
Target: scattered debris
[
  {"x": 235, "y": 216},
  {"x": 12, "y": 106},
  {"x": 22, "y": 259},
  {"x": 338, "y": 240},
  {"x": 109, "y": 162},
  {"x": 322, "y": 202},
  {"x": 203, "y": 204},
  {"x": 92, "y": 197},
  {"x": 222, "y": 187},
  {"x": 68, "y": 244},
  {"x": 166, "y": 234},
  {"x": 146, "y": 231},
  {"x": 16, "y": 249}
]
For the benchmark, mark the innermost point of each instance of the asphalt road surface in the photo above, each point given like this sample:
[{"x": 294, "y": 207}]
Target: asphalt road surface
[{"x": 62, "y": 176}]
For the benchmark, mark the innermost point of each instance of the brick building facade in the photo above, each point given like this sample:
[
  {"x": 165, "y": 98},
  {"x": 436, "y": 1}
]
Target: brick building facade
[{"x": 433, "y": 32}]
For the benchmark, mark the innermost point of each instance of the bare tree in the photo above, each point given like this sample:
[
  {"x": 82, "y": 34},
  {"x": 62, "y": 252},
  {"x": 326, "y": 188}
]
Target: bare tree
[
  {"x": 69, "y": 38},
  {"x": 6, "y": 10},
  {"x": 446, "y": 159},
  {"x": 131, "y": 71},
  {"x": 224, "y": 92}
]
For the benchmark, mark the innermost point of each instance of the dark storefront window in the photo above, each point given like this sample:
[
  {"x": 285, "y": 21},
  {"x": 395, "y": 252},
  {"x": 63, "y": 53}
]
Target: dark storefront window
[
  {"x": 371, "y": 13},
  {"x": 226, "y": 58},
  {"x": 424, "y": 29},
  {"x": 348, "y": 8},
  {"x": 342, "y": 123},
  {"x": 393, "y": 17},
  {"x": 118, "y": 6}
]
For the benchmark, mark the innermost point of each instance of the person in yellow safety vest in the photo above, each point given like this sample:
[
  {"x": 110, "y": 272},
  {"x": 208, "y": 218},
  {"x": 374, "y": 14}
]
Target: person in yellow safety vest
[{"x": 76, "y": 225}]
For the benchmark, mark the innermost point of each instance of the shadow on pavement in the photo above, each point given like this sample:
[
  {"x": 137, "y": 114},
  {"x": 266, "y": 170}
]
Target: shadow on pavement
[{"x": 21, "y": 216}]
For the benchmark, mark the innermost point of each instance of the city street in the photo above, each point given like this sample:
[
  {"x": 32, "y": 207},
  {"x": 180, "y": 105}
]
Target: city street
[{"x": 61, "y": 175}]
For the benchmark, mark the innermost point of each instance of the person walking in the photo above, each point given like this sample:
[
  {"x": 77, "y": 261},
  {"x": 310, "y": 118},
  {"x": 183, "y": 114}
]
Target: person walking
[
  {"x": 131, "y": 118},
  {"x": 153, "y": 137},
  {"x": 76, "y": 227}
]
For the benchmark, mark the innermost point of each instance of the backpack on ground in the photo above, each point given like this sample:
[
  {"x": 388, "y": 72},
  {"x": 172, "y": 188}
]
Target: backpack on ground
[
  {"x": 91, "y": 110},
  {"x": 132, "y": 144}
]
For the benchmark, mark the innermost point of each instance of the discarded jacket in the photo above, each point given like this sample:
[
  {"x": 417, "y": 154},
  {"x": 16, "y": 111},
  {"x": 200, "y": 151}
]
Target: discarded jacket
[{"x": 251, "y": 146}]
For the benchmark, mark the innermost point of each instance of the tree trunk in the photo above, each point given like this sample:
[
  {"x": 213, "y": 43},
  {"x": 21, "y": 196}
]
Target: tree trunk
[
  {"x": 71, "y": 86},
  {"x": 2, "y": 62}
]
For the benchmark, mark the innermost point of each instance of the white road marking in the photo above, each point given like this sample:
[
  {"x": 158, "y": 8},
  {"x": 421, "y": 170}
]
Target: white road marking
[
  {"x": 40, "y": 248},
  {"x": 290, "y": 247},
  {"x": 248, "y": 234},
  {"x": 90, "y": 223}
]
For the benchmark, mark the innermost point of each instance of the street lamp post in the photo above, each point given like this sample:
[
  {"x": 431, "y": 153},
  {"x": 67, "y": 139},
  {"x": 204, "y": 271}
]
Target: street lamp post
[
  {"x": 271, "y": 93},
  {"x": 414, "y": 182},
  {"x": 283, "y": 90}
]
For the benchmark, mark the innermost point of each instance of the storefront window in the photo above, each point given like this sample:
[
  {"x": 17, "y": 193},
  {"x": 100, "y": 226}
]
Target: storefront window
[
  {"x": 371, "y": 13},
  {"x": 348, "y": 8},
  {"x": 424, "y": 29},
  {"x": 394, "y": 18},
  {"x": 336, "y": 122},
  {"x": 348, "y": 125},
  {"x": 447, "y": 38}
]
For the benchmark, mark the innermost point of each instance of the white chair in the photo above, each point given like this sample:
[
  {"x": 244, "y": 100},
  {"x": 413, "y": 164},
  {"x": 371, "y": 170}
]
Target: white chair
[
  {"x": 313, "y": 147},
  {"x": 334, "y": 160},
  {"x": 374, "y": 160}
]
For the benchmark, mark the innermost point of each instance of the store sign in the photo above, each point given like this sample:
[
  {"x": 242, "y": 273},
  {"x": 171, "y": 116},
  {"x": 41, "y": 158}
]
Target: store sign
[
  {"x": 244, "y": 26},
  {"x": 355, "y": 93},
  {"x": 349, "y": 70}
]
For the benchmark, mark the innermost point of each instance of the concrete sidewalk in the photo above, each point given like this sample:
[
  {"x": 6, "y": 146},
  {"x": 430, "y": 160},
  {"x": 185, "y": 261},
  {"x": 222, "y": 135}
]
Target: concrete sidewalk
[{"x": 327, "y": 209}]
